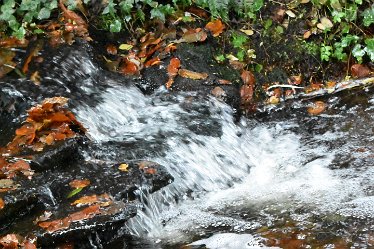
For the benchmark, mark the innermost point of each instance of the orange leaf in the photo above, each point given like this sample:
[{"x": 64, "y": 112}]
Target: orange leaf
[
  {"x": 10, "y": 241},
  {"x": 55, "y": 225},
  {"x": 192, "y": 75},
  {"x": 2, "y": 204},
  {"x": 152, "y": 62},
  {"x": 26, "y": 129},
  {"x": 86, "y": 213},
  {"x": 248, "y": 78},
  {"x": 173, "y": 67},
  {"x": 216, "y": 27},
  {"x": 50, "y": 139},
  {"x": 111, "y": 49},
  {"x": 224, "y": 82},
  {"x": 129, "y": 68},
  {"x": 102, "y": 200},
  {"x": 79, "y": 183},
  {"x": 317, "y": 108}
]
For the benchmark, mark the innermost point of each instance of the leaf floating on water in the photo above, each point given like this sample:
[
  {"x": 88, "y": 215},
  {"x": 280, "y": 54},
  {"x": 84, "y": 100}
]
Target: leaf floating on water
[
  {"x": 123, "y": 167},
  {"x": 216, "y": 27},
  {"x": 2, "y": 204},
  {"x": 192, "y": 75},
  {"x": 317, "y": 108},
  {"x": 74, "y": 192}
]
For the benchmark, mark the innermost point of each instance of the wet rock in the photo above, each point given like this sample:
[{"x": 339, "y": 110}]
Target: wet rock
[
  {"x": 49, "y": 191},
  {"x": 196, "y": 58}
]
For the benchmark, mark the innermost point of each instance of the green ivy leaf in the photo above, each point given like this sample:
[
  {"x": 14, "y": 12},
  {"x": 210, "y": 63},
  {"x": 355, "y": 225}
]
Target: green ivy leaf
[
  {"x": 368, "y": 16},
  {"x": 369, "y": 49},
  {"x": 358, "y": 52},
  {"x": 20, "y": 33},
  {"x": 115, "y": 26},
  {"x": 44, "y": 13}
]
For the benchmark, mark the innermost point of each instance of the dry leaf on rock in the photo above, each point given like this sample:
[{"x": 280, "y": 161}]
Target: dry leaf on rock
[
  {"x": 123, "y": 167},
  {"x": 192, "y": 75},
  {"x": 79, "y": 183},
  {"x": 317, "y": 108}
]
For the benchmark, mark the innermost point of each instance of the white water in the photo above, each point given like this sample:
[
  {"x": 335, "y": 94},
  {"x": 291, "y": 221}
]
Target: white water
[{"x": 263, "y": 170}]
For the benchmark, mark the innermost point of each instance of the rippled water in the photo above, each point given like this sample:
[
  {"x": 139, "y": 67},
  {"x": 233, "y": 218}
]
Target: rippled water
[{"x": 295, "y": 182}]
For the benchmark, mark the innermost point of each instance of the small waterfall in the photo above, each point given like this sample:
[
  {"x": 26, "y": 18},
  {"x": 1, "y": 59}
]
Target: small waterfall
[{"x": 225, "y": 171}]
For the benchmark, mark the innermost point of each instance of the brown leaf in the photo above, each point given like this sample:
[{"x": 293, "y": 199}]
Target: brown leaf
[
  {"x": 197, "y": 35},
  {"x": 317, "y": 108},
  {"x": 295, "y": 80},
  {"x": 130, "y": 67},
  {"x": 102, "y": 200},
  {"x": 55, "y": 225},
  {"x": 218, "y": 92},
  {"x": 79, "y": 183},
  {"x": 360, "y": 71},
  {"x": 224, "y": 82},
  {"x": 246, "y": 94},
  {"x": 192, "y": 75},
  {"x": 198, "y": 11},
  {"x": 2, "y": 204},
  {"x": 216, "y": 27},
  {"x": 29, "y": 245},
  {"x": 248, "y": 78}
]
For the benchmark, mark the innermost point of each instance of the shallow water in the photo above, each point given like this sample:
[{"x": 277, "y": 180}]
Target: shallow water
[{"x": 295, "y": 182}]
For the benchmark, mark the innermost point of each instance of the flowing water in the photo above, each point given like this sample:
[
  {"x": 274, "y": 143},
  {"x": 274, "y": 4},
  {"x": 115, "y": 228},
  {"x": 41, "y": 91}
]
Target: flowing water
[{"x": 295, "y": 182}]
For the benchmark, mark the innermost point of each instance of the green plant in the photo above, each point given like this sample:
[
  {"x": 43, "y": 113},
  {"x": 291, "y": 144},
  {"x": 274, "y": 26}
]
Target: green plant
[{"x": 345, "y": 37}]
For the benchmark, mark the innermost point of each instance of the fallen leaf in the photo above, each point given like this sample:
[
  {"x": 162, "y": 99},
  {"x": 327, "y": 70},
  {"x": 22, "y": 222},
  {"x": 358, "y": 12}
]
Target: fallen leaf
[
  {"x": 246, "y": 94},
  {"x": 123, "y": 167},
  {"x": 192, "y": 75},
  {"x": 8, "y": 184},
  {"x": 111, "y": 49},
  {"x": 307, "y": 34},
  {"x": 152, "y": 62},
  {"x": 290, "y": 13},
  {"x": 10, "y": 241},
  {"x": 130, "y": 67},
  {"x": 74, "y": 192},
  {"x": 224, "y": 82},
  {"x": 172, "y": 69},
  {"x": 151, "y": 171},
  {"x": 360, "y": 71},
  {"x": 2, "y": 204},
  {"x": 317, "y": 108},
  {"x": 35, "y": 77},
  {"x": 248, "y": 32},
  {"x": 274, "y": 100},
  {"x": 248, "y": 78},
  {"x": 79, "y": 183},
  {"x": 29, "y": 245},
  {"x": 295, "y": 80},
  {"x": 195, "y": 36},
  {"x": 125, "y": 46},
  {"x": 216, "y": 27},
  {"x": 325, "y": 23},
  {"x": 55, "y": 225},
  {"x": 218, "y": 92},
  {"x": 103, "y": 200}
]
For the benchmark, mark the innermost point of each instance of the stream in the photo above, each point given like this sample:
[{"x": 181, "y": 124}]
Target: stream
[
  {"x": 280, "y": 179},
  {"x": 295, "y": 182}
]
